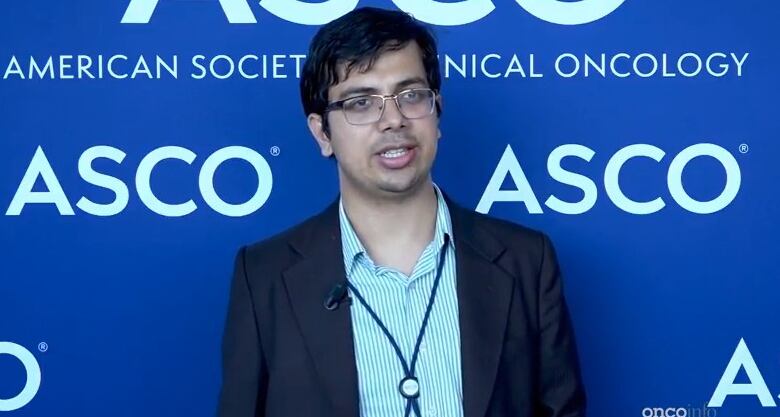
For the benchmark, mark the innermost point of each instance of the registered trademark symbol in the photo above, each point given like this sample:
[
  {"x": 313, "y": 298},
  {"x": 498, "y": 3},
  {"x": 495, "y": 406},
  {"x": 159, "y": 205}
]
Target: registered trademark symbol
[
  {"x": 43, "y": 347},
  {"x": 275, "y": 151},
  {"x": 744, "y": 148}
]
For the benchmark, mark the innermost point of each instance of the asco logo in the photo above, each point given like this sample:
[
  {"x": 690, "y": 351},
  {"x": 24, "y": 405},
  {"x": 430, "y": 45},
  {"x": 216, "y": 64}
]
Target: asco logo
[{"x": 429, "y": 11}]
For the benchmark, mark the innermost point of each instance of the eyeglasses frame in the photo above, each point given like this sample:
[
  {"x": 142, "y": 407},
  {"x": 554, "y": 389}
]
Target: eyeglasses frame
[{"x": 339, "y": 104}]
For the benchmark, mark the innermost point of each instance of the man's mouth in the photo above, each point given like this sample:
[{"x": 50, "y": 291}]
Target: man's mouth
[
  {"x": 397, "y": 157},
  {"x": 394, "y": 153}
]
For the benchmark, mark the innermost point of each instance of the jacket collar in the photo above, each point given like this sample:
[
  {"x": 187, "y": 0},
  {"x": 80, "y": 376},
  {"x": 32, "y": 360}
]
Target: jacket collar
[
  {"x": 325, "y": 227},
  {"x": 353, "y": 247}
]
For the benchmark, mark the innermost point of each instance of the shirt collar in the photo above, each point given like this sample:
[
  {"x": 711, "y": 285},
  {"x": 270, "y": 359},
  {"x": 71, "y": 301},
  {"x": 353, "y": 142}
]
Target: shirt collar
[{"x": 352, "y": 248}]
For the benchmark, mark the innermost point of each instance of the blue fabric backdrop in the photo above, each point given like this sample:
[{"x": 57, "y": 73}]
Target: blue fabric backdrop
[{"x": 115, "y": 299}]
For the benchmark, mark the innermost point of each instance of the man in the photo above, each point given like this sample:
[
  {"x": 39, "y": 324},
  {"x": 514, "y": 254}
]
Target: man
[{"x": 394, "y": 301}]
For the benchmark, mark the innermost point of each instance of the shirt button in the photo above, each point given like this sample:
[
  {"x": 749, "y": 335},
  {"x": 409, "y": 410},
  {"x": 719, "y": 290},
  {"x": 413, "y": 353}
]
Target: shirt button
[
  {"x": 432, "y": 412},
  {"x": 422, "y": 347}
]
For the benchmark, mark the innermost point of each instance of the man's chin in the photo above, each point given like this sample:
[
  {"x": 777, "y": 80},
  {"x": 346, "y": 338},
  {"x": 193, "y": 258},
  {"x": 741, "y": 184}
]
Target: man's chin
[{"x": 401, "y": 188}]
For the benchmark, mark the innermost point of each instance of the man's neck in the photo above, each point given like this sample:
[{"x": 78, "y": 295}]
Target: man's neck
[{"x": 387, "y": 226}]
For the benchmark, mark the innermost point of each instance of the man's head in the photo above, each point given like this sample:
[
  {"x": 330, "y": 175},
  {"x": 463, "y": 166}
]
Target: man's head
[{"x": 374, "y": 52}]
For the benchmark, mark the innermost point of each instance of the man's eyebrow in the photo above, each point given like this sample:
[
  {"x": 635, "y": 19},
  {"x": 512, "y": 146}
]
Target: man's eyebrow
[
  {"x": 356, "y": 91},
  {"x": 371, "y": 90},
  {"x": 410, "y": 81}
]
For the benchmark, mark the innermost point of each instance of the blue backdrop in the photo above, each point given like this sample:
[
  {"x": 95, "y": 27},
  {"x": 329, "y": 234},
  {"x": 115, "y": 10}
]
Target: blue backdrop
[{"x": 641, "y": 135}]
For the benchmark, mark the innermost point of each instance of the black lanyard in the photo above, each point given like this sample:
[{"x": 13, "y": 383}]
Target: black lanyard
[{"x": 409, "y": 386}]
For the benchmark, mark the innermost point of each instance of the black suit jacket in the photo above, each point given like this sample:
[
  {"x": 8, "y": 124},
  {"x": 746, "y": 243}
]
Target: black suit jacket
[{"x": 285, "y": 355}]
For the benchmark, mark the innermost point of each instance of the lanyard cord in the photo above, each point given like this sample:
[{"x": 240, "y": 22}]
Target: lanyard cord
[{"x": 408, "y": 370}]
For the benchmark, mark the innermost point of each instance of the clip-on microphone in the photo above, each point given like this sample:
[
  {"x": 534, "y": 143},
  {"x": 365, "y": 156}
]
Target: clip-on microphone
[{"x": 336, "y": 296}]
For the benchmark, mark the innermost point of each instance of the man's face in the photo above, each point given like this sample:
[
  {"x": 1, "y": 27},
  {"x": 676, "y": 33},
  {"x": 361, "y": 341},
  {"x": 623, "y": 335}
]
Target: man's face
[{"x": 364, "y": 165}]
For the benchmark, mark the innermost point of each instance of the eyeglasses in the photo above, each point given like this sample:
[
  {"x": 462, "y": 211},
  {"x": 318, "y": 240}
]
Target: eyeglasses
[{"x": 414, "y": 103}]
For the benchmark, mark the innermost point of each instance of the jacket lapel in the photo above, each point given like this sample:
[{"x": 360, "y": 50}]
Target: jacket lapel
[
  {"x": 484, "y": 294},
  {"x": 327, "y": 334}
]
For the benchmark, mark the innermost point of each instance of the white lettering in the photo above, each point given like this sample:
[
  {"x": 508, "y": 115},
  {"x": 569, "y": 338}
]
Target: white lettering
[
  {"x": 523, "y": 193},
  {"x": 143, "y": 181},
  {"x": 757, "y": 387},
  {"x": 569, "y": 178},
  {"x": 612, "y": 184},
  {"x": 140, "y": 11},
  {"x": 730, "y": 191},
  {"x": 122, "y": 196},
  {"x": 509, "y": 164},
  {"x": 39, "y": 167},
  {"x": 264, "y": 181},
  {"x": 31, "y": 368},
  {"x": 429, "y": 11}
]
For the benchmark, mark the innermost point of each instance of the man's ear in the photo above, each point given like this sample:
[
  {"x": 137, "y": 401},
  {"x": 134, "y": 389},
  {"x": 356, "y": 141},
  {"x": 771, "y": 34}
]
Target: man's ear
[{"x": 314, "y": 121}]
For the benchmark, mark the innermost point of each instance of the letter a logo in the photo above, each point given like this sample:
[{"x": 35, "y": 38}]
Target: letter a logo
[{"x": 140, "y": 11}]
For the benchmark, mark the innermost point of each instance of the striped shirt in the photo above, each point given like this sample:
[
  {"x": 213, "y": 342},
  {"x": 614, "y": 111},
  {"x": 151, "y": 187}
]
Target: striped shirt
[{"x": 400, "y": 302}]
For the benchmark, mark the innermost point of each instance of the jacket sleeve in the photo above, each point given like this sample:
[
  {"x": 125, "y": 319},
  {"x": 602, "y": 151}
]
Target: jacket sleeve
[
  {"x": 561, "y": 390},
  {"x": 244, "y": 373}
]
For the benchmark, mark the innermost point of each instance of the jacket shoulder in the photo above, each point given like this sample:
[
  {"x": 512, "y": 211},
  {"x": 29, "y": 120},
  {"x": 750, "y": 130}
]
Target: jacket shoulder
[
  {"x": 513, "y": 235},
  {"x": 522, "y": 248},
  {"x": 274, "y": 243},
  {"x": 507, "y": 228},
  {"x": 276, "y": 249}
]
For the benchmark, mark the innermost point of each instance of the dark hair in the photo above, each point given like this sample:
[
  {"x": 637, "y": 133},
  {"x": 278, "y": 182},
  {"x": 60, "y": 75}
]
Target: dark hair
[{"x": 357, "y": 39}]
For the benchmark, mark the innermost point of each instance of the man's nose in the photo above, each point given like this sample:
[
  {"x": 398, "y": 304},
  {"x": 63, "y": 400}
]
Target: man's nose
[{"x": 392, "y": 118}]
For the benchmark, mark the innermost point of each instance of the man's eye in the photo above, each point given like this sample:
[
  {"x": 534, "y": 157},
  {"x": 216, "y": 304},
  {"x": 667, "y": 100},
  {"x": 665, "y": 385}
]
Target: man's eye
[
  {"x": 411, "y": 96},
  {"x": 358, "y": 104}
]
